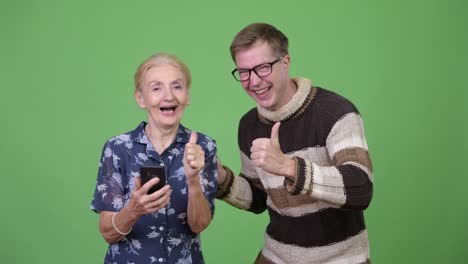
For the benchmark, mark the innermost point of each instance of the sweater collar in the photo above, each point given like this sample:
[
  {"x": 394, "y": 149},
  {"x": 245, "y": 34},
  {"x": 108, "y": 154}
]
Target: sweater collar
[{"x": 287, "y": 110}]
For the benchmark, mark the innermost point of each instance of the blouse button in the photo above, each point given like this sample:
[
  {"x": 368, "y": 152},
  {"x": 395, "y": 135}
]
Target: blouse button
[
  {"x": 161, "y": 259},
  {"x": 161, "y": 228}
]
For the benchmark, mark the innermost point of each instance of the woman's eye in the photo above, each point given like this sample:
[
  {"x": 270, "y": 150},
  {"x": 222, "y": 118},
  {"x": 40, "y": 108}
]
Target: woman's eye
[{"x": 155, "y": 88}]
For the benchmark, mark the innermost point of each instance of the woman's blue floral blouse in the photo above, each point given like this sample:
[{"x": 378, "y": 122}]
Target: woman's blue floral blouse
[{"x": 163, "y": 236}]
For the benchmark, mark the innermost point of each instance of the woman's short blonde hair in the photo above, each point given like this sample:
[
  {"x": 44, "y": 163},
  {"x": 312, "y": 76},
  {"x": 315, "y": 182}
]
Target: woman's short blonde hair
[{"x": 157, "y": 60}]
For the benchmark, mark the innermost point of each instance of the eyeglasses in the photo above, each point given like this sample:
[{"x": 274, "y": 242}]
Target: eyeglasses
[{"x": 261, "y": 70}]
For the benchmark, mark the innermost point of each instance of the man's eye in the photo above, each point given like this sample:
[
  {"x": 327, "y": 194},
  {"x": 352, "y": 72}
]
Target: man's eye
[
  {"x": 243, "y": 73},
  {"x": 263, "y": 68}
]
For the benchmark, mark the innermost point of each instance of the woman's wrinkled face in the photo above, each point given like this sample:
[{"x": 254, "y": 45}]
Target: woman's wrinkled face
[{"x": 164, "y": 94}]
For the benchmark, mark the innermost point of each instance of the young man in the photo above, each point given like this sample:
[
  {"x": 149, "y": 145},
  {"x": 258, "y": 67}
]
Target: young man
[{"x": 304, "y": 158}]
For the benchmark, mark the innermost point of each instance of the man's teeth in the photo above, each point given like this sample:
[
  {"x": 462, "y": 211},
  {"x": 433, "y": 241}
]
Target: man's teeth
[{"x": 262, "y": 91}]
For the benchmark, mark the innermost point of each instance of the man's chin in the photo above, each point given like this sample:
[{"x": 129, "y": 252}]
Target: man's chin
[{"x": 265, "y": 104}]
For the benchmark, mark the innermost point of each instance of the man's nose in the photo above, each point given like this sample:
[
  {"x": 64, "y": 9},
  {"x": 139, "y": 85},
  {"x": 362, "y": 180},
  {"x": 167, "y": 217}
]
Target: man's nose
[{"x": 254, "y": 79}]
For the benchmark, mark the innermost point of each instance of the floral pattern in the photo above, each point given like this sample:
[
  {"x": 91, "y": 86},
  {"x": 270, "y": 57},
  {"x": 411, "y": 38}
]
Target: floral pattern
[{"x": 163, "y": 236}]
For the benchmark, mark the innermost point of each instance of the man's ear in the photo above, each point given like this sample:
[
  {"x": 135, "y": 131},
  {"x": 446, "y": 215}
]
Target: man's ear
[
  {"x": 286, "y": 60},
  {"x": 139, "y": 99}
]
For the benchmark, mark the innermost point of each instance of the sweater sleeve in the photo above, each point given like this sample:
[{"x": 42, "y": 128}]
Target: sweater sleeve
[
  {"x": 244, "y": 191},
  {"x": 348, "y": 183}
]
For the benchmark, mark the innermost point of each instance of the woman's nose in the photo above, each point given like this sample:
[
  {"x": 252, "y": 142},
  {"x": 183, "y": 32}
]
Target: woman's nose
[{"x": 168, "y": 94}]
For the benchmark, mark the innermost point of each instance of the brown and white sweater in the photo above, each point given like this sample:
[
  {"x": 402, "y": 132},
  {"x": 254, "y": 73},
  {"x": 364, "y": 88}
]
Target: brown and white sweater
[{"x": 319, "y": 220}]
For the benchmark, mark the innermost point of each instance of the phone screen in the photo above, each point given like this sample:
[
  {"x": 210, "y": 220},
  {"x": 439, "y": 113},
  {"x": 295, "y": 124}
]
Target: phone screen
[{"x": 149, "y": 172}]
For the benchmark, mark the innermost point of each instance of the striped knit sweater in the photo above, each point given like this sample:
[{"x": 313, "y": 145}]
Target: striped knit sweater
[{"x": 319, "y": 217}]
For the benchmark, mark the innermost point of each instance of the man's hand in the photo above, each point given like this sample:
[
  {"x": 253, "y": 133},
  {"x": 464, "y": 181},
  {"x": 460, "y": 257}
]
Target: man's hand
[{"x": 266, "y": 154}]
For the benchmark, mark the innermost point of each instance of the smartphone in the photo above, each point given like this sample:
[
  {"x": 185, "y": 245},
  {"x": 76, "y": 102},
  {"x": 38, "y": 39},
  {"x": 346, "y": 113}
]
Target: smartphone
[{"x": 149, "y": 172}]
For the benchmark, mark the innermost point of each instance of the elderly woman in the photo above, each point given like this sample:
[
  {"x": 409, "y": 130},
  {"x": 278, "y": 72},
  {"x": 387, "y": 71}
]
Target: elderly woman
[{"x": 164, "y": 226}]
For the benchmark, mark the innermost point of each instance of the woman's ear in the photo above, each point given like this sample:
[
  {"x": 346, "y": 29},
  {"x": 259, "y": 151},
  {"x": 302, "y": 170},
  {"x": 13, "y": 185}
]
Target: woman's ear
[{"x": 139, "y": 99}]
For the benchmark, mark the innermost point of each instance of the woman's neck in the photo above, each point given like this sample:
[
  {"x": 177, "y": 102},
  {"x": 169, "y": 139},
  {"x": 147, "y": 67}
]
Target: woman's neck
[{"x": 161, "y": 138}]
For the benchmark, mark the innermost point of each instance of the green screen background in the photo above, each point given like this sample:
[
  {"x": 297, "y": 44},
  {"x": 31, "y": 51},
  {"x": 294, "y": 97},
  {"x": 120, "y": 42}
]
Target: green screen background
[{"x": 66, "y": 70}]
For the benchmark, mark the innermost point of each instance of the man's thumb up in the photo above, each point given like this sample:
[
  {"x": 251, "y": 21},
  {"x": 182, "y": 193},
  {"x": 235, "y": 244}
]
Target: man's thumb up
[{"x": 274, "y": 133}]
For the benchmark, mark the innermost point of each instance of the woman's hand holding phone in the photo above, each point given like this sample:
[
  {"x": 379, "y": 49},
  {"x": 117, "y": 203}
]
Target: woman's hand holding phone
[{"x": 142, "y": 203}]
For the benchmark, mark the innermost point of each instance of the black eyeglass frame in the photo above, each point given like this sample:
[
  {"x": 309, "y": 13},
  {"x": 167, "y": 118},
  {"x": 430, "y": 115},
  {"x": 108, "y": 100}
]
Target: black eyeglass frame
[{"x": 253, "y": 69}]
